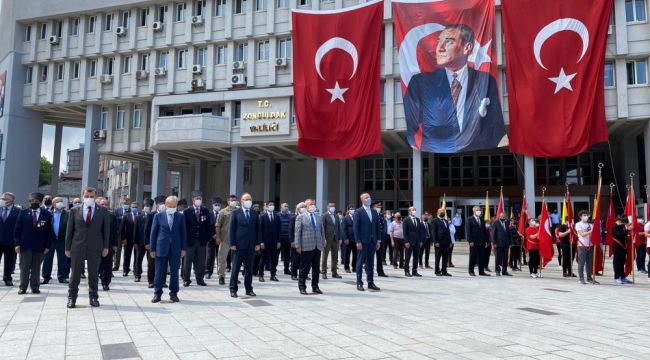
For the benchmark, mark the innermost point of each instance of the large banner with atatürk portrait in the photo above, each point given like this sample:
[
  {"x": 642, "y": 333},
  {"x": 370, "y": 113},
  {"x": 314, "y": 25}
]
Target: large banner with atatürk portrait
[{"x": 447, "y": 61}]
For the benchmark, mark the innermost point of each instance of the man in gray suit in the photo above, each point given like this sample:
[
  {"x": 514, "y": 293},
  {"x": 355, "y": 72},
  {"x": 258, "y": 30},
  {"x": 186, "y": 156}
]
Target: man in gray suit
[
  {"x": 309, "y": 242},
  {"x": 87, "y": 239},
  {"x": 332, "y": 227}
]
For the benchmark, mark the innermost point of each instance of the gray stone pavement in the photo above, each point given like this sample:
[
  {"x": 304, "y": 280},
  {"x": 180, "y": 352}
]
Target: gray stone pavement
[{"x": 411, "y": 318}]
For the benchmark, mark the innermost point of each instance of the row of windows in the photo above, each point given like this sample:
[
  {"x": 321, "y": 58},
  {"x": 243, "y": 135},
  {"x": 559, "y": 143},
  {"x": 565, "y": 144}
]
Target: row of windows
[{"x": 120, "y": 117}]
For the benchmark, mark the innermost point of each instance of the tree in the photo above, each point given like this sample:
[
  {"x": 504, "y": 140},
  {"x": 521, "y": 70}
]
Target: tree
[{"x": 45, "y": 173}]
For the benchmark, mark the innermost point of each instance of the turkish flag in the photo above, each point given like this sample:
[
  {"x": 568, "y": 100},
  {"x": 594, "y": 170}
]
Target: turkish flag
[
  {"x": 336, "y": 80},
  {"x": 630, "y": 212},
  {"x": 609, "y": 224},
  {"x": 545, "y": 238},
  {"x": 555, "y": 51}
]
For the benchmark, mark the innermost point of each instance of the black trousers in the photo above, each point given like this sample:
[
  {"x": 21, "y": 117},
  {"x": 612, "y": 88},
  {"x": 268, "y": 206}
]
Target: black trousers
[
  {"x": 256, "y": 262},
  {"x": 501, "y": 259},
  {"x": 140, "y": 253},
  {"x": 640, "y": 257},
  {"x": 350, "y": 251},
  {"x": 515, "y": 257},
  {"x": 151, "y": 268},
  {"x": 442, "y": 254},
  {"x": 9, "y": 254},
  {"x": 567, "y": 258},
  {"x": 389, "y": 246},
  {"x": 619, "y": 261},
  {"x": 269, "y": 259},
  {"x": 425, "y": 251},
  {"x": 244, "y": 257},
  {"x": 309, "y": 261},
  {"x": 559, "y": 253},
  {"x": 106, "y": 268},
  {"x": 380, "y": 259},
  {"x": 210, "y": 257},
  {"x": 414, "y": 252},
  {"x": 30, "y": 269},
  {"x": 128, "y": 251},
  {"x": 487, "y": 251},
  {"x": 398, "y": 252},
  {"x": 77, "y": 263},
  {"x": 451, "y": 252},
  {"x": 476, "y": 257},
  {"x": 295, "y": 262},
  {"x": 285, "y": 250},
  {"x": 533, "y": 261}
]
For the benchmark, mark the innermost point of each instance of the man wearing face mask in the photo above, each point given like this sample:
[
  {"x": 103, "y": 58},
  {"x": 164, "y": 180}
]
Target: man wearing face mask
[
  {"x": 87, "y": 239},
  {"x": 532, "y": 244},
  {"x": 76, "y": 202},
  {"x": 349, "y": 241},
  {"x": 59, "y": 224},
  {"x": 47, "y": 203},
  {"x": 139, "y": 238},
  {"x": 7, "y": 225},
  {"x": 244, "y": 239},
  {"x": 585, "y": 247},
  {"x": 33, "y": 239},
  {"x": 380, "y": 252},
  {"x": 128, "y": 235},
  {"x": 119, "y": 213},
  {"x": 501, "y": 237},
  {"x": 441, "y": 242},
  {"x": 427, "y": 240},
  {"x": 310, "y": 241},
  {"x": 386, "y": 244},
  {"x": 222, "y": 235},
  {"x": 199, "y": 233},
  {"x": 332, "y": 226},
  {"x": 106, "y": 263},
  {"x": 413, "y": 234},
  {"x": 295, "y": 257},
  {"x": 212, "y": 247},
  {"x": 477, "y": 238},
  {"x": 270, "y": 232},
  {"x": 151, "y": 261},
  {"x": 368, "y": 237},
  {"x": 285, "y": 238}
]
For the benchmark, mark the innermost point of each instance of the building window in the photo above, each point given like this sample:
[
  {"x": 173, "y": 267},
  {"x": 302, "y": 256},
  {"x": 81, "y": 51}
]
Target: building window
[
  {"x": 304, "y": 2},
  {"x": 144, "y": 62},
  {"x": 43, "y": 75},
  {"x": 108, "y": 22},
  {"x": 124, "y": 20},
  {"x": 263, "y": 50},
  {"x": 382, "y": 91},
  {"x": 58, "y": 28},
  {"x": 160, "y": 16},
  {"x": 74, "y": 27},
  {"x": 284, "y": 48},
  {"x": 221, "y": 55},
  {"x": 242, "y": 52},
  {"x": 108, "y": 66},
  {"x": 397, "y": 89},
  {"x": 201, "y": 54},
  {"x": 28, "y": 33},
  {"x": 29, "y": 74},
  {"x": 90, "y": 29},
  {"x": 143, "y": 14},
  {"x": 180, "y": 11},
  {"x": 181, "y": 59},
  {"x": 260, "y": 5},
  {"x": 199, "y": 6},
  {"x": 236, "y": 114},
  {"x": 59, "y": 71},
  {"x": 126, "y": 66},
  {"x": 119, "y": 121},
  {"x": 219, "y": 7},
  {"x": 282, "y": 4},
  {"x": 609, "y": 75},
  {"x": 637, "y": 72},
  {"x": 92, "y": 69},
  {"x": 635, "y": 11},
  {"x": 162, "y": 60},
  {"x": 137, "y": 116},
  {"x": 43, "y": 31},
  {"x": 240, "y": 7},
  {"x": 75, "y": 69},
  {"x": 378, "y": 174},
  {"x": 103, "y": 118}
]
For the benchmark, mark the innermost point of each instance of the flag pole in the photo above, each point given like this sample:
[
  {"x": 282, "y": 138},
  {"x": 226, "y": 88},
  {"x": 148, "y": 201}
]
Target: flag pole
[
  {"x": 633, "y": 227},
  {"x": 596, "y": 210},
  {"x": 541, "y": 263},
  {"x": 570, "y": 233}
]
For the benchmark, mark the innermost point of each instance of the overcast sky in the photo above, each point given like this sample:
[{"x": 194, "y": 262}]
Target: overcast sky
[{"x": 70, "y": 140}]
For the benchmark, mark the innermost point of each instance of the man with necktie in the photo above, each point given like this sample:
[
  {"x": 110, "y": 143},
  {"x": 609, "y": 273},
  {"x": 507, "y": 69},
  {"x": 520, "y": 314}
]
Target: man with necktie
[
  {"x": 59, "y": 224},
  {"x": 270, "y": 232},
  {"x": 212, "y": 247},
  {"x": 382, "y": 229},
  {"x": 222, "y": 235},
  {"x": 33, "y": 239},
  {"x": 332, "y": 226},
  {"x": 413, "y": 234},
  {"x": 295, "y": 257},
  {"x": 245, "y": 240},
  {"x": 501, "y": 237},
  {"x": 309, "y": 241},
  {"x": 349, "y": 242},
  {"x": 285, "y": 237},
  {"x": 199, "y": 233},
  {"x": 368, "y": 239},
  {"x": 477, "y": 238},
  {"x": 106, "y": 263},
  {"x": 441, "y": 242},
  {"x": 427, "y": 239},
  {"x": 128, "y": 235},
  {"x": 119, "y": 213},
  {"x": 151, "y": 261},
  {"x": 139, "y": 238},
  {"x": 7, "y": 225}
]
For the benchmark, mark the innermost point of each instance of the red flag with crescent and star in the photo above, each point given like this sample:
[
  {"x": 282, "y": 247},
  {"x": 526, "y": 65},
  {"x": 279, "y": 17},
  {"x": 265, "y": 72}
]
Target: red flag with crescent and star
[
  {"x": 545, "y": 238},
  {"x": 555, "y": 51},
  {"x": 336, "y": 80}
]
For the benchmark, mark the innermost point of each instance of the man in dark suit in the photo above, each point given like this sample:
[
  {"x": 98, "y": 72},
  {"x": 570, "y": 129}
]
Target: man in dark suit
[
  {"x": 270, "y": 232},
  {"x": 310, "y": 241},
  {"x": 382, "y": 230},
  {"x": 168, "y": 242},
  {"x": 32, "y": 238},
  {"x": 477, "y": 239},
  {"x": 349, "y": 241},
  {"x": 455, "y": 108},
  {"x": 139, "y": 238},
  {"x": 442, "y": 242},
  {"x": 501, "y": 238},
  {"x": 115, "y": 242},
  {"x": 212, "y": 247},
  {"x": 427, "y": 240},
  {"x": 87, "y": 239},
  {"x": 119, "y": 213},
  {"x": 295, "y": 257},
  {"x": 128, "y": 235},
  {"x": 151, "y": 261},
  {"x": 413, "y": 234},
  {"x": 7, "y": 224},
  {"x": 368, "y": 239},
  {"x": 244, "y": 240},
  {"x": 199, "y": 232},
  {"x": 332, "y": 226},
  {"x": 59, "y": 224}
]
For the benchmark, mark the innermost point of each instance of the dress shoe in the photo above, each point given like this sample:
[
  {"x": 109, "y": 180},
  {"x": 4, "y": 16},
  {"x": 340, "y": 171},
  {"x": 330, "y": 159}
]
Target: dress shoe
[
  {"x": 9, "y": 283},
  {"x": 303, "y": 292},
  {"x": 294, "y": 278},
  {"x": 94, "y": 302},
  {"x": 317, "y": 290},
  {"x": 373, "y": 287},
  {"x": 274, "y": 278},
  {"x": 487, "y": 269},
  {"x": 36, "y": 291},
  {"x": 222, "y": 280},
  {"x": 438, "y": 274},
  {"x": 394, "y": 266},
  {"x": 45, "y": 281},
  {"x": 174, "y": 298},
  {"x": 250, "y": 293},
  {"x": 337, "y": 276},
  {"x": 308, "y": 278},
  {"x": 208, "y": 276},
  {"x": 105, "y": 287},
  {"x": 416, "y": 274},
  {"x": 238, "y": 282},
  {"x": 498, "y": 274},
  {"x": 360, "y": 287},
  {"x": 155, "y": 299},
  {"x": 64, "y": 281},
  {"x": 382, "y": 275},
  {"x": 408, "y": 274},
  {"x": 150, "y": 286},
  {"x": 287, "y": 272},
  {"x": 261, "y": 279},
  {"x": 348, "y": 271},
  {"x": 22, "y": 292},
  {"x": 506, "y": 274},
  {"x": 83, "y": 276},
  {"x": 228, "y": 269},
  {"x": 451, "y": 265},
  {"x": 484, "y": 274},
  {"x": 471, "y": 273},
  {"x": 446, "y": 274},
  {"x": 233, "y": 294},
  {"x": 125, "y": 274},
  {"x": 324, "y": 276},
  {"x": 186, "y": 283},
  {"x": 201, "y": 283},
  {"x": 427, "y": 267},
  {"x": 71, "y": 303},
  {"x": 137, "y": 279},
  {"x": 115, "y": 268}
]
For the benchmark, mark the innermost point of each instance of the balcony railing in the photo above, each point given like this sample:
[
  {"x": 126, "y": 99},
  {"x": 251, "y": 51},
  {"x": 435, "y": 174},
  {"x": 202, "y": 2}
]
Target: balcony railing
[{"x": 192, "y": 131}]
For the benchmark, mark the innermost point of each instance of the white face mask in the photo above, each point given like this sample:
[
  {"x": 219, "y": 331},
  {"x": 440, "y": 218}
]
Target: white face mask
[
  {"x": 198, "y": 202},
  {"x": 146, "y": 209},
  {"x": 478, "y": 213},
  {"x": 60, "y": 205},
  {"x": 351, "y": 212},
  {"x": 2, "y": 203},
  {"x": 388, "y": 216},
  {"x": 312, "y": 208},
  {"x": 413, "y": 213},
  {"x": 303, "y": 210},
  {"x": 584, "y": 218},
  {"x": 161, "y": 208},
  {"x": 248, "y": 204},
  {"x": 216, "y": 207},
  {"x": 232, "y": 203},
  {"x": 332, "y": 209},
  {"x": 170, "y": 211},
  {"x": 378, "y": 210},
  {"x": 271, "y": 208},
  {"x": 89, "y": 201}
]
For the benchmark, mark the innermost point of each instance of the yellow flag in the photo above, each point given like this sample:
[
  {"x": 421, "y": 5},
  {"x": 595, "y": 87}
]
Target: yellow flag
[
  {"x": 487, "y": 208},
  {"x": 565, "y": 212},
  {"x": 444, "y": 205}
]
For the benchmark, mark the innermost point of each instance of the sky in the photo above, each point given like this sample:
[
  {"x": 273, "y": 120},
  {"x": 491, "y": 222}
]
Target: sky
[{"x": 70, "y": 140}]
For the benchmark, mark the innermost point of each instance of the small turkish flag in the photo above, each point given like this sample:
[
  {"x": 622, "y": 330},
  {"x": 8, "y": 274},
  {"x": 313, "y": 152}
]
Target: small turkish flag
[
  {"x": 336, "y": 82},
  {"x": 545, "y": 238},
  {"x": 555, "y": 51}
]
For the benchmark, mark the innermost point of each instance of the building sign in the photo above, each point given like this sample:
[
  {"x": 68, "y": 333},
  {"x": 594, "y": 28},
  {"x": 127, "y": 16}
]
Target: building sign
[{"x": 265, "y": 117}]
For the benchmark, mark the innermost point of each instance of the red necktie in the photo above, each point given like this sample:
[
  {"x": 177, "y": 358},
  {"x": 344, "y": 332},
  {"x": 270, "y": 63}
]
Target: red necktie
[{"x": 89, "y": 215}]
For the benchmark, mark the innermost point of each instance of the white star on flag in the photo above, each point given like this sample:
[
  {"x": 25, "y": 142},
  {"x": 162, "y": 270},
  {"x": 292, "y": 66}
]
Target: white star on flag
[
  {"x": 562, "y": 81},
  {"x": 337, "y": 93},
  {"x": 480, "y": 54}
]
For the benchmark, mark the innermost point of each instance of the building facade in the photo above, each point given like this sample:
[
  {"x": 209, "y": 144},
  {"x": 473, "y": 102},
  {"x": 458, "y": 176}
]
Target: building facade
[{"x": 204, "y": 89}]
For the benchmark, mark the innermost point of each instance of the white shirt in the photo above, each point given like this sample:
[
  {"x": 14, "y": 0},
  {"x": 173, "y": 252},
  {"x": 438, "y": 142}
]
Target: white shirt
[
  {"x": 460, "y": 104},
  {"x": 584, "y": 227},
  {"x": 170, "y": 220},
  {"x": 646, "y": 229},
  {"x": 85, "y": 212},
  {"x": 368, "y": 211},
  {"x": 452, "y": 233},
  {"x": 458, "y": 220}
]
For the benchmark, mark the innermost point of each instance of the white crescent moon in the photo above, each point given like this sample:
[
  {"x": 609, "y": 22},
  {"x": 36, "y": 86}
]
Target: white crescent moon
[
  {"x": 408, "y": 60},
  {"x": 556, "y": 26},
  {"x": 337, "y": 43}
]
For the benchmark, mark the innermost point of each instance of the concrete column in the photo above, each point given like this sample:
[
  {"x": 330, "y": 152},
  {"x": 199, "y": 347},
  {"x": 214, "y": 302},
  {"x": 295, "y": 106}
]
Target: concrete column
[
  {"x": 418, "y": 196},
  {"x": 133, "y": 181},
  {"x": 201, "y": 177},
  {"x": 529, "y": 183},
  {"x": 431, "y": 175},
  {"x": 187, "y": 182},
  {"x": 237, "y": 171},
  {"x": 646, "y": 142},
  {"x": 139, "y": 183},
  {"x": 90, "y": 171},
  {"x": 631, "y": 161},
  {"x": 343, "y": 185},
  {"x": 269, "y": 179},
  {"x": 322, "y": 174},
  {"x": 159, "y": 173},
  {"x": 56, "y": 159}
]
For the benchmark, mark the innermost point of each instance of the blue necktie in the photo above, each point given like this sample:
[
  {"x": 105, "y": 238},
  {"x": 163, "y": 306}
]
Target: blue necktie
[{"x": 313, "y": 222}]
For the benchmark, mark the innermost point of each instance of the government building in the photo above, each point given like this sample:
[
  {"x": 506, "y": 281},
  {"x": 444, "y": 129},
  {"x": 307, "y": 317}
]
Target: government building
[{"x": 203, "y": 90}]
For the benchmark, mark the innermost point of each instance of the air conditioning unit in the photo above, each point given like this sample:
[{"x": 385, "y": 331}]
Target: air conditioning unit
[
  {"x": 158, "y": 26},
  {"x": 99, "y": 135},
  {"x": 197, "y": 69},
  {"x": 610, "y": 29},
  {"x": 142, "y": 74},
  {"x": 160, "y": 71},
  {"x": 120, "y": 31},
  {"x": 198, "y": 83},
  {"x": 238, "y": 79},
  {"x": 239, "y": 65},
  {"x": 281, "y": 62},
  {"x": 197, "y": 20},
  {"x": 106, "y": 79},
  {"x": 54, "y": 40}
]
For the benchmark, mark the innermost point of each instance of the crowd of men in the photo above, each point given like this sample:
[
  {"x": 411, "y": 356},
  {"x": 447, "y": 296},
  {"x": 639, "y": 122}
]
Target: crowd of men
[{"x": 186, "y": 243}]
